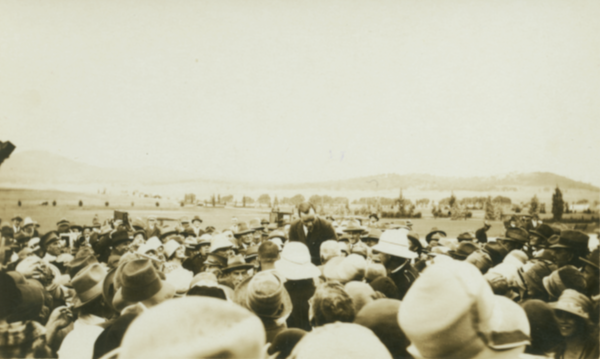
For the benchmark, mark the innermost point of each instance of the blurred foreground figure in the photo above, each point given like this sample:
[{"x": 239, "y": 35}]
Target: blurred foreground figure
[{"x": 195, "y": 327}]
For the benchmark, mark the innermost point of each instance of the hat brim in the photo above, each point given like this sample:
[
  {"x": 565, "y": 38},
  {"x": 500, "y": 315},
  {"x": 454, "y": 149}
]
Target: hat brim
[
  {"x": 96, "y": 291},
  {"x": 587, "y": 261},
  {"x": 394, "y": 250},
  {"x": 534, "y": 232},
  {"x": 431, "y": 234},
  {"x": 558, "y": 306},
  {"x": 166, "y": 292},
  {"x": 237, "y": 267},
  {"x": 295, "y": 271},
  {"x": 248, "y": 231},
  {"x": 242, "y": 298}
]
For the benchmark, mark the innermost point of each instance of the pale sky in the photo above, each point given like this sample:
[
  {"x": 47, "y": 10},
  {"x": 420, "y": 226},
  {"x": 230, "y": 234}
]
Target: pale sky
[{"x": 293, "y": 91}]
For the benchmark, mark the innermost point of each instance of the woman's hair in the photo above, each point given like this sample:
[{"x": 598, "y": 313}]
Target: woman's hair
[
  {"x": 545, "y": 334},
  {"x": 331, "y": 303}
]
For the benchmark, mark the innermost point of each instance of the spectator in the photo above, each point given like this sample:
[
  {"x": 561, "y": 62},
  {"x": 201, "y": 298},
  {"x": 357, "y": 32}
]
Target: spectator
[
  {"x": 580, "y": 340},
  {"x": 311, "y": 230},
  {"x": 330, "y": 304},
  {"x": 284, "y": 343}
]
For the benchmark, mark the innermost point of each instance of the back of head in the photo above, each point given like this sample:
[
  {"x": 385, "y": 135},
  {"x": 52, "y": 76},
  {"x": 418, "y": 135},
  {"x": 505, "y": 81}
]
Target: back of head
[
  {"x": 386, "y": 286},
  {"x": 340, "y": 340},
  {"x": 331, "y": 303},
  {"x": 305, "y": 207},
  {"x": 194, "y": 327},
  {"x": 545, "y": 333},
  {"x": 361, "y": 294},
  {"x": 268, "y": 252},
  {"x": 329, "y": 249},
  {"x": 381, "y": 317}
]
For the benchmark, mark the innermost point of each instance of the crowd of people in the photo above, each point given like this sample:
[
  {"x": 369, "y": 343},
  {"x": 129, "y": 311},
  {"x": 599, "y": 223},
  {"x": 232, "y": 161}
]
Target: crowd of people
[{"x": 313, "y": 288}]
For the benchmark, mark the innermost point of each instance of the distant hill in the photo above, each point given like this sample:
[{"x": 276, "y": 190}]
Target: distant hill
[
  {"x": 43, "y": 168},
  {"x": 38, "y": 167},
  {"x": 430, "y": 182}
]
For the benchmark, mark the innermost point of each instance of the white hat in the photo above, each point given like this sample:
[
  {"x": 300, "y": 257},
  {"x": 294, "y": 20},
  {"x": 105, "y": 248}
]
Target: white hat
[
  {"x": 27, "y": 221},
  {"x": 154, "y": 243},
  {"x": 295, "y": 263},
  {"x": 171, "y": 246},
  {"x": 34, "y": 244},
  {"x": 220, "y": 241},
  {"x": 206, "y": 237},
  {"x": 278, "y": 242},
  {"x": 395, "y": 243}
]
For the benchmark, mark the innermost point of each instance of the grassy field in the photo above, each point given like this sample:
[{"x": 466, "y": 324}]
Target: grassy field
[{"x": 219, "y": 217}]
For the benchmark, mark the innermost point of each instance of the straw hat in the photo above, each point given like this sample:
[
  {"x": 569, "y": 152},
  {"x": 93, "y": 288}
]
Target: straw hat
[
  {"x": 295, "y": 262},
  {"x": 575, "y": 303},
  {"x": 395, "y": 243}
]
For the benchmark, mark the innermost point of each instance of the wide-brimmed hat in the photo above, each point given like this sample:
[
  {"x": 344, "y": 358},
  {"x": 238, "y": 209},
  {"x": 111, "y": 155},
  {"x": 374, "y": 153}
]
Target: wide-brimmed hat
[
  {"x": 374, "y": 215},
  {"x": 567, "y": 277},
  {"x": 256, "y": 225},
  {"x": 220, "y": 241},
  {"x": 76, "y": 226},
  {"x": 465, "y": 236},
  {"x": 517, "y": 234},
  {"x": 80, "y": 262},
  {"x": 496, "y": 251},
  {"x": 170, "y": 247},
  {"x": 29, "y": 300},
  {"x": 295, "y": 262},
  {"x": 236, "y": 263},
  {"x": 88, "y": 284},
  {"x": 242, "y": 228},
  {"x": 463, "y": 318},
  {"x": 17, "y": 217},
  {"x": 196, "y": 218},
  {"x": 434, "y": 234},
  {"x": 570, "y": 239},
  {"x": 63, "y": 221},
  {"x": 534, "y": 275},
  {"x": 28, "y": 221},
  {"x": 395, "y": 243},
  {"x": 277, "y": 234},
  {"x": 139, "y": 282},
  {"x": 593, "y": 258},
  {"x": 48, "y": 238},
  {"x": 354, "y": 227},
  {"x": 373, "y": 235},
  {"x": 264, "y": 295},
  {"x": 345, "y": 269},
  {"x": 463, "y": 251},
  {"x": 251, "y": 252},
  {"x": 543, "y": 230},
  {"x": 574, "y": 302},
  {"x": 216, "y": 260},
  {"x": 119, "y": 237}
]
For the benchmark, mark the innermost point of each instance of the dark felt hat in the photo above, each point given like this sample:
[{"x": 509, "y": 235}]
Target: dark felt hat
[
  {"x": 80, "y": 262},
  {"x": 235, "y": 263},
  {"x": 353, "y": 227},
  {"x": 251, "y": 252},
  {"x": 167, "y": 233},
  {"x": 140, "y": 281},
  {"x": 496, "y": 251},
  {"x": 17, "y": 218},
  {"x": 88, "y": 284},
  {"x": 285, "y": 341},
  {"x": 119, "y": 237},
  {"x": 374, "y": 215},
  {"x": 28, "y": 301},
  {"x": 463, "y": 250},
  {"x": 593, "y": 258},
  {"x": 571, "y": 239},
  {"x": 534, "y": 276},
  {"x": 48, "y": 238},
  {"x": 196, "y": 218},
  {"x": 216, "y": 260},
  {"x": 543, "y": 230},
  {"x": 465, "y": 236},
  {"x": 517, "y": 234},
  {"x": 63, "y": 221},
  {"x": 434, "y": 231}
]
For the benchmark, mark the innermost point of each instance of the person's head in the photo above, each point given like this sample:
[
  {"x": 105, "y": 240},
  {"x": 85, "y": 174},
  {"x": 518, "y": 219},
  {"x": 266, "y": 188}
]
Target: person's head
[
  {"x": 393, "y": 249},
  {"x": 173, "y": 329},
  {"x": 284, "y": 342},
  {"x": 329, "y": 249},
  {"x": 330, "y": 303},
  {"x": 545, "y": 333},
  {"x": 567, "y": 277},
  {"x": 308, "y": 214},
  {"x": 573, "y": 313},
  {"x": 268, "y": 253},
  {"x": 16, "y": 221},
  {"x": 340, "y": 340},
  {"x": 360, "y": 293},
  {"x": 50, "y": 243},
  {"x": 533, "y": 278},
  {"x": 568, "y": 247},
  {"x": 591, "y": 272},
  {"x": 237, "y": 270},
  {"x": 510, "y": 245},
  {"x": 381, "y": 317},
  {"x": 151, "y": 221},
  {"x": 562, "y": 256}
]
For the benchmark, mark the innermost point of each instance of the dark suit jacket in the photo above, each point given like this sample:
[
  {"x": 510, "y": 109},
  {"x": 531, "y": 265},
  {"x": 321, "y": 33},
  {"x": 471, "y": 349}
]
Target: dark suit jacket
[{"x": 322, "y": 231}]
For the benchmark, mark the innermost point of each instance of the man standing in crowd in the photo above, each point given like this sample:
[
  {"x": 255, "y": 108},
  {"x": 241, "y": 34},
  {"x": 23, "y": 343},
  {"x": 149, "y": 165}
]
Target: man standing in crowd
[{"x": 311, "y": 230}]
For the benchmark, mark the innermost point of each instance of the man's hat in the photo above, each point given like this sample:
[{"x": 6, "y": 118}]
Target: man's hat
[
  {"x": 30, "y": 296},
  {"x": 220, "y": 241},
  {"x": 395, "y": 243},
  {"x": 374, "y": 215},
  {"x": 139, "y": 282},
  {"x": 353, "y": 227},
  {"x": 17, "y": 218},
  {"x": 465, "y": 236},
  {"x": 251, "y": 252},
  {"x": 567, "y": 277},
  {"x": 496, "y": 251},
  {"x": 516, "y": 234},
  {"x": 295, "y": 262},
  {"x": 80, "y": 262},
  {"x": 571, "y": 239},
  {"x": 196, "y": 219},
  {"x": 119, "y": 237},
  {"x": 464, "y": 319},
  {"x": 76, "y": 226},
  {"x": 48, "y": 238},
  {"x": 434, "y": 234},
  {"x": 373, "y": 235},
  {"x": 168, "y": 233},
  {"x": 593, "y": 258},
  {"x": 242, "y": 228},
  {"x": 277, "y": 234},
  {"x": 543, "y": 230},
  {"x": 28, "y": 221},
  {"x": 63, "y": 221},
  {"x": 141, "y": 231},
  {"x": 171, "y": 247},
  {"x": 256, "y": 225},
  {"x": 88, "y": 284},
  {"x": 463, "y": 251},
  {"x": 185, "y": 220},
  {"x": 216, "y": 260},
  {"x": 264, "y": 295},
  {"x": 264, "y": 222},
  {"x": 236, "y": 263}
]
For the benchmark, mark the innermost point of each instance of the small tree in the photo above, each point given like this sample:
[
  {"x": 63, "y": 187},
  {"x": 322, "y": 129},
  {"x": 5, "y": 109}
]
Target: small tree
[
  {"x": 219, "y": 199},
  {"x": 19, "y": 203},
  {"x": 542, "y": 208},
  {"x": 557, "y": 204},
  {"x": 106, "y": 203},
  {"x": 80, "y": 203},
  {"x": 54, "y": 203},
  {"x": 452, "y": 201},
  {"x": 213, "y": 200},
  {"x": 490, "y": 210},
  {"x": 264, "y": 199},
  {"x": 157, "y": 204},
  {"x": 243, "y": 201},
  {"x": 534, "y": 205}
]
